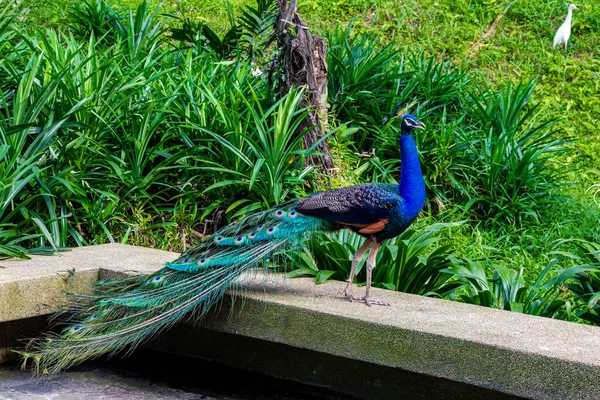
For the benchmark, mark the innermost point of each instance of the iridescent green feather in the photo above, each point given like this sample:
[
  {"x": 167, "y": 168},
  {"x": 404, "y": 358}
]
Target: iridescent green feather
[{"x": 121, "y": 314}]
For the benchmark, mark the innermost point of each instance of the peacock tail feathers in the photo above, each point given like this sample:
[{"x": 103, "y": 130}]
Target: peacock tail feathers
[{"x": 121, "y": 314}]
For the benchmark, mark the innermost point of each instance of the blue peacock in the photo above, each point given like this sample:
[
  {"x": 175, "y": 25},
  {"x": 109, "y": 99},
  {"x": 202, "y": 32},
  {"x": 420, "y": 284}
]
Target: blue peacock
[{"x": 121, "y": 314}]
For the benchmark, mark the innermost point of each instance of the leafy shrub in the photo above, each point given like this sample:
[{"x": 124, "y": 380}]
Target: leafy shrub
[
  {"x": 441, "y": 87},
  {"x": 512, "y": 159},
  {"x": 139, "y": 33},
  {"x": 102, "y": 143},
  {"x": 365, "y": 82},
  {"x": 246, "y": 36},
  {"x": 570, "y": 293},
  {"x": 506, "y": 289},
  {"x": 261, "y": 164},
  {"x": 586, "y": 287},
  {"x": 95, "y": 17},
  {"x": 585, "y": 278}
]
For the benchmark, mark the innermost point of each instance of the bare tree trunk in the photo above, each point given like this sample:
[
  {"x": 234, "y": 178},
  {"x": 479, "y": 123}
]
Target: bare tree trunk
[{"x": 304, "y": 64}]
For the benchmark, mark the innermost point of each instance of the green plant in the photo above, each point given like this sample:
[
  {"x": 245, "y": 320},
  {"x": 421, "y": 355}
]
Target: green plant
[
  {"x": 87, "y": 154},
  {"x": 247, "y": 34},
  {"x": 507, "y": 290},
  {"x": 262, "y": 164},
  {"x": 28, "y": 132},
  {"x": 113, "y": 131},
  {"x": 512, "y": 161},
  {"x": 95, "y": 17},
  {"x": 440, "y": 86},
  {"x": 142, "y": 33},
  {"x": 584, "y": 279}
]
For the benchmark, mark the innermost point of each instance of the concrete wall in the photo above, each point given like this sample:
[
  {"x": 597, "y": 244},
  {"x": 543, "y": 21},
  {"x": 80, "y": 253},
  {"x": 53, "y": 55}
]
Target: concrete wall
[{"x": 453, "y": 346}]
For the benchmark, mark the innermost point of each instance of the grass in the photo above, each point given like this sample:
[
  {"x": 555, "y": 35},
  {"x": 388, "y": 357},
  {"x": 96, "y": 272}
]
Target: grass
[
  {"x": 517, "y": 47},
  {"x": 190, "y": 140}
]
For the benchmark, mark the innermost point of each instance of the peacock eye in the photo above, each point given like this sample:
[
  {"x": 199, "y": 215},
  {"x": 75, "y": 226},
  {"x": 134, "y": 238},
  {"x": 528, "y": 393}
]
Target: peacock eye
[
  {"x": 202, "y": 260},
  {"x": 186, "y": 260},
  {"x": 218, "y": 239},
  {"x": 252, "y": 235},
  {"x": 239, "y": 239}
]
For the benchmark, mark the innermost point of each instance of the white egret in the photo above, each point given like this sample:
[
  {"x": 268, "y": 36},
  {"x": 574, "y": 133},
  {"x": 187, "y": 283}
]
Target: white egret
[{"x": 563, "y": 33}]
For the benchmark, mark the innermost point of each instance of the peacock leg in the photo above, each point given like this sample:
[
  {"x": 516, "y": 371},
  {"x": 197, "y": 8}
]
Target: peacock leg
[
  {"x": 355, "y": 260},
  {"x": 371, "y": 260}
]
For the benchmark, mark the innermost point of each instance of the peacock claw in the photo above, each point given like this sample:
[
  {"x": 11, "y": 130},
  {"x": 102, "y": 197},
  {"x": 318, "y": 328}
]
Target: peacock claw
[
  {"x": 352, "y": 298},
  {"x": 349, "y": 295},
  {"x": 369, "y": 301}
]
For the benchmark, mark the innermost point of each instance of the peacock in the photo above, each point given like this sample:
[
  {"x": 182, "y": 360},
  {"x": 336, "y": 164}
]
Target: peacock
[{"x": 121, "y": 314}]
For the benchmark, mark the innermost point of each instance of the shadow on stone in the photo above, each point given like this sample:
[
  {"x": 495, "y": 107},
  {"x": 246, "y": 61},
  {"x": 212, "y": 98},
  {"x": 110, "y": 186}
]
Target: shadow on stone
[{"x": 339, "y": 374}]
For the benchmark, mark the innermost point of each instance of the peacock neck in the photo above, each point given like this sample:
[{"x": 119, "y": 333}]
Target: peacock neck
[{"x": 412, "y": 185}]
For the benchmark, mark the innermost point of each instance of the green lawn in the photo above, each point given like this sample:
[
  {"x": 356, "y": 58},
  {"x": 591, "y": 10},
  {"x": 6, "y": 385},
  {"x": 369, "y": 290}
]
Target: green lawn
[{"x": 497, "y": 43}]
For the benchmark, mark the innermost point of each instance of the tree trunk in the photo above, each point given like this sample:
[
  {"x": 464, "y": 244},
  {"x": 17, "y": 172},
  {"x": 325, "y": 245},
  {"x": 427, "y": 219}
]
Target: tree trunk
[{"x": 304, "y": 65}]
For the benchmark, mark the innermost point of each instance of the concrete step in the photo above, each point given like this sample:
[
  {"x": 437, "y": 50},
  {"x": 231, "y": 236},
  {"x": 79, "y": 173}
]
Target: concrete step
[{"x": 449, "y": 346}]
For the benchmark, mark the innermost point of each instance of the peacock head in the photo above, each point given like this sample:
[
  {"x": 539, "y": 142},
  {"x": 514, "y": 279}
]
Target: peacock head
[{"x": 409, "y": 122}]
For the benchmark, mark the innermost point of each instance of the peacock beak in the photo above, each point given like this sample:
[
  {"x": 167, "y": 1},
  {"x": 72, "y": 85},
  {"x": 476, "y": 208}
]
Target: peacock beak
[{"x": 419, "y": 125}]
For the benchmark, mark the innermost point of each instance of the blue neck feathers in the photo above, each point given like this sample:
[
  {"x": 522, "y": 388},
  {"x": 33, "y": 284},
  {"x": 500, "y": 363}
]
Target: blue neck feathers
[{"x": 412, "y": 185}]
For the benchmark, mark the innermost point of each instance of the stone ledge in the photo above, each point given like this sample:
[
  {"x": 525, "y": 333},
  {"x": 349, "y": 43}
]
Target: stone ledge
[
  {"x": 29, "y": 288},
  {"x": 508, "y": 352}
]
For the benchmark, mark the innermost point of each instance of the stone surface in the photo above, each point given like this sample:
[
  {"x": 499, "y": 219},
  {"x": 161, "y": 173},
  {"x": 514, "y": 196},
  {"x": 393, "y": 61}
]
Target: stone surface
[
  {"x": 151, "y": 375},
  {"x": 87, "y": 385},
  {"x": 29, "y": 288},
  {"x": 513, "y": 353},
  {"x": 509, "y": 352},
  {"x": 319, "y": 369}
]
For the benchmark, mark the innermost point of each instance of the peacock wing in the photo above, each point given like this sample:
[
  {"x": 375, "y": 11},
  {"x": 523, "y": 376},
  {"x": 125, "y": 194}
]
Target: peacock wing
[{"x": 360, "y": 204}]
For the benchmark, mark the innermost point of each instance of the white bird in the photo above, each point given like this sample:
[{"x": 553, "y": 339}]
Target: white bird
[{"x": 563, "y": 33}]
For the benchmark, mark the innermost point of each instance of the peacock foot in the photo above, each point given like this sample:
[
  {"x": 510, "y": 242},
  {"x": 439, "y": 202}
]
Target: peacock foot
[
  {"x": 350, "y": 296},
  {"x": 369, "y": 301}
]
